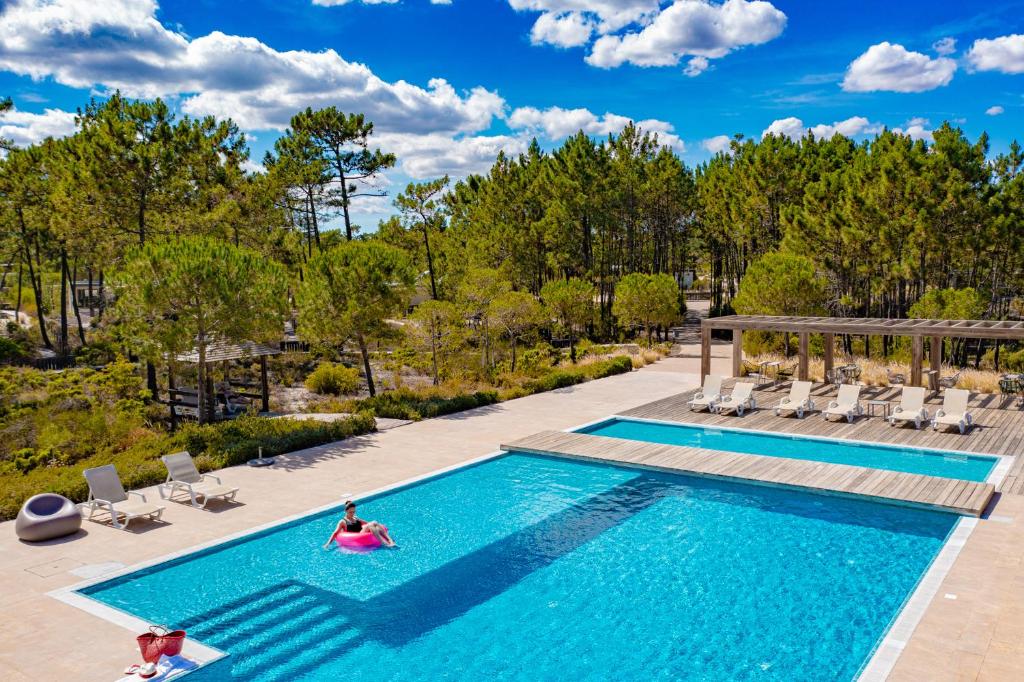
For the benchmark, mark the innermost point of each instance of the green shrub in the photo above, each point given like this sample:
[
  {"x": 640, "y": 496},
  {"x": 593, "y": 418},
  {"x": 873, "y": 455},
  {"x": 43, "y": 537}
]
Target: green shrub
[
  {"x": 406, "y": 403},
  {"x": 214, "y": 445},
  {"x": 333, "y": 379},
  {"x": 12, "y": 351}
]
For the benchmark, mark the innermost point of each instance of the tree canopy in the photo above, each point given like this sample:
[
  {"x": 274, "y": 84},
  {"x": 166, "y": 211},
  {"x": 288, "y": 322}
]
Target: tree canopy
[
  {"x": 188, "y": 293},
  {"x": 646, "y": 300},
  {"x": 350, "y": 291}
]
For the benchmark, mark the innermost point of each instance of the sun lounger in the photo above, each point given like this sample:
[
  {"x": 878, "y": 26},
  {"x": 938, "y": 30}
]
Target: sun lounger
[
  {"x": 739, "y": 400},
  {"x": 711, "y": 393},
  {"x": 798, "y": 400},
  {"x": 954, "y": 410},
  {"x": 183, "y": 477},
  {"x": 846, "y": 404},
  {"x": 107, "y": 494},
  {"x": 911, "y": 408}
]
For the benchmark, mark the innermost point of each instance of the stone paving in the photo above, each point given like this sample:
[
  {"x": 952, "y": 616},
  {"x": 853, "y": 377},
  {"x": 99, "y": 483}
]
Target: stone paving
[{"x": 978, "y": 635}]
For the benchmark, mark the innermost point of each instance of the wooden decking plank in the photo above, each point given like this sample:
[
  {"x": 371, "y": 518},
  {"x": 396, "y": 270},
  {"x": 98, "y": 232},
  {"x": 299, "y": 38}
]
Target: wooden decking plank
[{"x": 964, "y": 496}]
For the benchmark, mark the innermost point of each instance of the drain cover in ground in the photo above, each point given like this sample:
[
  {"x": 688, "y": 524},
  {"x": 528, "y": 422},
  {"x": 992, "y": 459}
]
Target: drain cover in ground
[{"x": 51, "y": 568}]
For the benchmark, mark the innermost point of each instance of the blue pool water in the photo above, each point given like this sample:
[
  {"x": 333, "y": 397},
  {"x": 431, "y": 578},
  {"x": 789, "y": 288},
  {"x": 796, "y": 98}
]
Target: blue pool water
[
  {"x": 910, "y": 460},
  {"x": 536, "y": 568}
]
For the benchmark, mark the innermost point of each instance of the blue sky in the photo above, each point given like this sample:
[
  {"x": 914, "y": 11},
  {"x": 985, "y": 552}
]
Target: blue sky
[{"x": 450, "y": 83}]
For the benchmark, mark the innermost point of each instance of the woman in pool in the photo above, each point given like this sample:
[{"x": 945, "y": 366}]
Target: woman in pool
[{"x": 351, "y": 523}]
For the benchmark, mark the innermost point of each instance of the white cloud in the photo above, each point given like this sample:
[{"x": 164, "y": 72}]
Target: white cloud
[
  {"x": 605, "y": 15},
  {"x": 794, "y": 128},
  {"x": 891, "y": 67},
  {"x": 654, "y": 32},
  {"x": 915, "y": 128},
  {"x": 121, "y": 44},
  {"x": 1005, "y": 54},
  {"x": 434, "y": 129},
  {"x": 691, "y": 28},
  {"x": 995, "y": 110},
  {"x": 716, "y": 144},
  {"x": 434, "y": 155},
  {"x": 336, "y": 3},
  {"x": 696, "y": 66},
  {"x": 556, "y": 123},
  {"x": 944, "y": 46},
  {"x": 24, "y": 128},
  {"x": 569, "y": 29}
]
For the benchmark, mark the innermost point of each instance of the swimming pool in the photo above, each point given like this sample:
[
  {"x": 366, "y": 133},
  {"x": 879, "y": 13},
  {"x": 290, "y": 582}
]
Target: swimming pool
[
  {"x": 533, "y": 568},
  {"x": 895, "y": 458}
]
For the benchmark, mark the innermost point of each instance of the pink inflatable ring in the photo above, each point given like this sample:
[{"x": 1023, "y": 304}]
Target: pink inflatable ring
[{"x": 361, "y": 540}]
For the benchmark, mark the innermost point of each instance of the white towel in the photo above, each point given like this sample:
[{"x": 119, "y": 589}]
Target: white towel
[{"x": 168, "y": 667}]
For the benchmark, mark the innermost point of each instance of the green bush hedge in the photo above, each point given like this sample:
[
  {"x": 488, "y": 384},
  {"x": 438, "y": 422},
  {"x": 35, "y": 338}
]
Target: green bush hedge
[
  {"x": 214, "y": 445},
  {"x": 406, "y": 403},
  {"x": 332, "y": 379}
]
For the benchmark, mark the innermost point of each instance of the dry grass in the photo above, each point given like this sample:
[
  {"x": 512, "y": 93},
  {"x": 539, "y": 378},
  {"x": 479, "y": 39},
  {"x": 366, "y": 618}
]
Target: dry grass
[
  {"x": 979, "y": 381},
  {"x": 874, "y": 372},
  {"x": 640, "y": 357}
]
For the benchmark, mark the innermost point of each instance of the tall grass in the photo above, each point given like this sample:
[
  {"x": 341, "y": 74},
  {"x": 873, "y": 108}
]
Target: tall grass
[{"x": 876, "y": 372}]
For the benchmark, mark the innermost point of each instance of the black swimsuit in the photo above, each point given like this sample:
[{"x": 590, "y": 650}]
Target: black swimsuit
[{"x": 354, "y": 526}]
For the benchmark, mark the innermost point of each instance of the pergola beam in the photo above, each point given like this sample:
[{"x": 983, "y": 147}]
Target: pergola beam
[{"x": 976, "y": 329}]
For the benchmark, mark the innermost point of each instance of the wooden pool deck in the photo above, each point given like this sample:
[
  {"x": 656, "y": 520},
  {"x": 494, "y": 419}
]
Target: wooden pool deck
[
  {"x": 998, "y": 430},
  {"x": 963, "y": 497}
]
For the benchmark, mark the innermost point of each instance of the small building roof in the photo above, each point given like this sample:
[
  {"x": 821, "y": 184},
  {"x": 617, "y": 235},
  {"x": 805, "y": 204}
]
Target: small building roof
[{"x": 220, "y": 352}]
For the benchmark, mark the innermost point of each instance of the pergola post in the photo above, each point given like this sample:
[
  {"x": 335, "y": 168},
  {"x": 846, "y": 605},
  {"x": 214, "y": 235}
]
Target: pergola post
[
  {"x": 737, "y": 352},
  {"x": 705, "y": 351},
  {"x": 264, "y": 384},
  {"x": 830, "y": 351},
  {"x": 804, "y": 369},
  {"x": 935, "y": 354},
  {"x": 916, "y": 358},
  {"x": 171, "y": 396}
]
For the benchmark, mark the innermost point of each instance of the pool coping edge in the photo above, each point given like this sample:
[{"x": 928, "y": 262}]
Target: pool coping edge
[{"x": 195, "y": 650}]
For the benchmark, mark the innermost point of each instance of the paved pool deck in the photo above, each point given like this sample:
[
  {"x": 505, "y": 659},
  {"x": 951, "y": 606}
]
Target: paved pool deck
[{"x": 978, "y": 635}]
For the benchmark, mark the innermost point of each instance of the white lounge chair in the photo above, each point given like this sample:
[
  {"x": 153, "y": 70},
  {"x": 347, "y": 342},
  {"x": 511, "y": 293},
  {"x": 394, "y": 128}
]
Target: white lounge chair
[
  {"x": 911, "y": 408},
  {"x": 798, "y": 400},
  {"x": 739, "y": 400},
  {"x": 182, "y": 476},
  {"x": 107, "y": 494},
  {"x": 954, "y": 410},
  {"x": 707, "y": 396},
  {"x": 846, "y": 404}
]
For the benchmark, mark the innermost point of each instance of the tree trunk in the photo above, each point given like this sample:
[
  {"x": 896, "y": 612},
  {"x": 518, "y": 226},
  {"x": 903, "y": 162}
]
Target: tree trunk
[
  {"x": 74, "y": 306},
  {"x": 62, "y": 341},
  {"x": 433, "y": 354},
  {"x": 37, "y": 287},
  {"x": 92, "y": 297},
  {"x": 344, "y": 207},
  {"x": 201, "y": 380},
  {"x": 17, "y": 306},
  {"x": 365, "y": 352},
  {"x": 430, "y": 261}
]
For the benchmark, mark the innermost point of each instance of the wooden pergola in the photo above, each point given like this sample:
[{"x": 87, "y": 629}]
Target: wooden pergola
[
  {"x": 225, "y": 353},
  {"x": 803, "y": 327}
]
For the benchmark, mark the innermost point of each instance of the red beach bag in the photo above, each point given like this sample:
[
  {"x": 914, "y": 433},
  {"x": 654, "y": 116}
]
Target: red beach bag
[{"x": 159, "y": 641}]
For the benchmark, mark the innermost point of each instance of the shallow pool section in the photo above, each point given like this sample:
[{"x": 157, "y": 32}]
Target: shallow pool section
[
  {"x": 535, "y": 568},
  {"x": 909, "y": 460}
]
